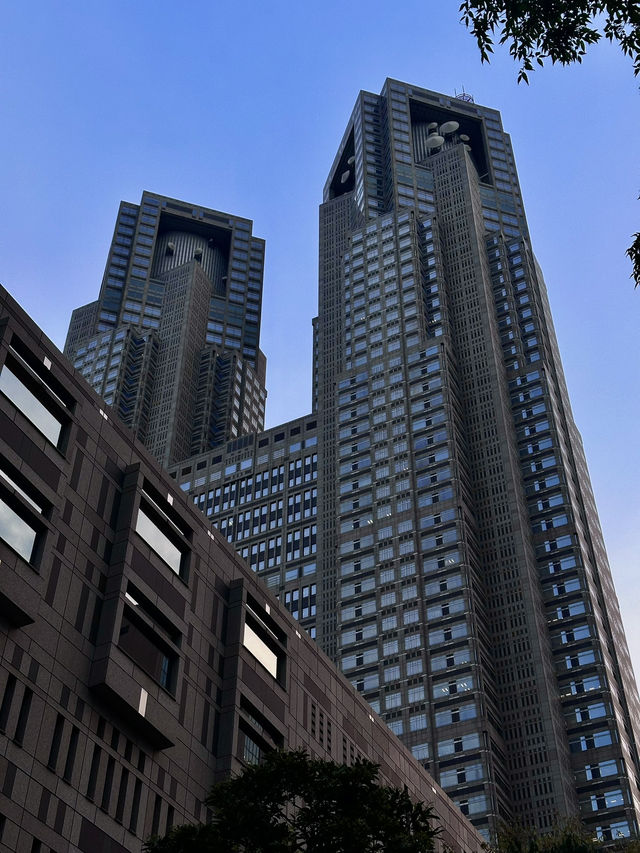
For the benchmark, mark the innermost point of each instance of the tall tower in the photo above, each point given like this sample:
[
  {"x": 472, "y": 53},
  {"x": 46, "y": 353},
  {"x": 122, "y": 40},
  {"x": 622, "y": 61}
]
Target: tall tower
[
  {"x": 172, "y": 343},
  {"x": 464, "y": 585},
  {"x": 431, "y": 522}
]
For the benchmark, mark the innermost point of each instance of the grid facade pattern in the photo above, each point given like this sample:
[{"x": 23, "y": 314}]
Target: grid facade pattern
[
  {"x": 262, "y": 494},
  {"x": 120, "y": 366},
  {"x": 461, "y": 504},
  {"x": 193, "y": 278}
]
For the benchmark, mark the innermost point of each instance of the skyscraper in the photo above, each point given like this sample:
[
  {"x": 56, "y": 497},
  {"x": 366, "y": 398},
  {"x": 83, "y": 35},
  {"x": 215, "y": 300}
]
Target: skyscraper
[
  {"x": 431, "y": 522},
  {"x": 475, "y": 607},
  {"x": 172, "y": 343}
]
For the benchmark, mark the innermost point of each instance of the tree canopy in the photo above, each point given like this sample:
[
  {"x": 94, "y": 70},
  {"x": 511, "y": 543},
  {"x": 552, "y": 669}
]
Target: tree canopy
[
  {"x": 634, "y": 255},
  {"x": 568, "y": 837},
  {"x": 291, "y": 803},
  {"x": 556, "y": 30},
  {"x": 560, "y": 31}
]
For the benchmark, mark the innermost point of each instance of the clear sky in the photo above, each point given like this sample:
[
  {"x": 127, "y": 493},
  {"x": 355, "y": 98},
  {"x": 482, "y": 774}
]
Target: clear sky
[{"x": 241, "y": 106}]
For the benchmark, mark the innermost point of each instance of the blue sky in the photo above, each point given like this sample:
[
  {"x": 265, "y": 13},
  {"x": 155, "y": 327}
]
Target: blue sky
[{"x": 241, "y": 109}]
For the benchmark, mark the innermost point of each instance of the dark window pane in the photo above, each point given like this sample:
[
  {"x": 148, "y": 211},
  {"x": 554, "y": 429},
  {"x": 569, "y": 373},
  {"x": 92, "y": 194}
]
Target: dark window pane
[{"x": 144, "y": 648}]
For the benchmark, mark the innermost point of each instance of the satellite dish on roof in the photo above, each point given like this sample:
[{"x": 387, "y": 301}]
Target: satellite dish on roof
[
  {"x": 351, "y": 160},
  {"x": 434, "y": 141},
  {"x": 345, "y": 176},
  {"x": 464, "y": 137},
  {"x": 468, "y": 147},
  {"x": 449, "y": 127},
  {"x": 432, "y": 126}
]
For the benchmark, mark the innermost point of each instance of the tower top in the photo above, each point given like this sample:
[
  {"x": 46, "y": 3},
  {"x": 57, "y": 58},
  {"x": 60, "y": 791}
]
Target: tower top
[{"x": 464, "y": 96}]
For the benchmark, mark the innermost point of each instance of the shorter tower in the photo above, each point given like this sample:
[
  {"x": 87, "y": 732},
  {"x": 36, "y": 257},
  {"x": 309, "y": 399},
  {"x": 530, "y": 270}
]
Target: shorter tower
[{"x": 172, "y": 342}]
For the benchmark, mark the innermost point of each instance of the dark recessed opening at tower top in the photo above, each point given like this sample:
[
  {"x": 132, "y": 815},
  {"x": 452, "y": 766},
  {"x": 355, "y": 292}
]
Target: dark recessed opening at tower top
[
  {"x": 344, "y": 178},
  {"x": 218, "y": 235},
  {"x": 182, "y": 239},
  {"x": 425, "y": 114}
]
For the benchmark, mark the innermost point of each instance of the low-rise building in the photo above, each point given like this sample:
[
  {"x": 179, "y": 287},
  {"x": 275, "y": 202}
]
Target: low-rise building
[{"x": 141, "y": 658}]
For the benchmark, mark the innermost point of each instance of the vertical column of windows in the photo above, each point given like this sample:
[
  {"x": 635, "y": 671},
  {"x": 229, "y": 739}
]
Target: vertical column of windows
[
  {"x": 572, "y": 625},
  {"x": 117, "y": 266}
]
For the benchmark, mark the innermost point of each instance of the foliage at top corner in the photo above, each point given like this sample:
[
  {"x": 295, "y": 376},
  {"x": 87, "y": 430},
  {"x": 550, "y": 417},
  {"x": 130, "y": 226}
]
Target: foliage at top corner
[
  {"x": 291, "y": 803},
  {"x": 560, "y": 31},
  {"x": 556, "y": 30},
  {"x": 633, "y": 252}
]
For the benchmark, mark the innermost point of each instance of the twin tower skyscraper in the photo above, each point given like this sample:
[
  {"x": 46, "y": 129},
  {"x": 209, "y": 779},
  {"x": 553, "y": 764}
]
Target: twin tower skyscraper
[
  {"x": 172, "y": 341},
  {"x": 431, "y": 521}
]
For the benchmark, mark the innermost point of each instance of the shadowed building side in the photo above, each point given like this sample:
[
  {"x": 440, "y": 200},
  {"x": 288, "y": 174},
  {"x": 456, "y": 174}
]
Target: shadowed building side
[{"x": 141, "y": 659}]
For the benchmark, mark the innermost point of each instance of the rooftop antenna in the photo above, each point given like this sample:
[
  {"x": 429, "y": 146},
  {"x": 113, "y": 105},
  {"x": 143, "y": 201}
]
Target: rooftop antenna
[{"x": 464, "y": 96}]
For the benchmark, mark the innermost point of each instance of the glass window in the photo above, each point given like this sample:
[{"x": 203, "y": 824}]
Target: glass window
[
  {"x": 455, "y": 715},
  {"x": 461, "y": 775},
  {"x": 393, "y": 700},
  {"x": 260, "y": 650},
  {"x": 604, "y": 768},
  {"x": 30, "y": 406},
  {"x": 252, "y": 752},
  {"x": 416, "y": 694},
  {"x": 417, "y": 722},
  {"x": 147, "y": 650},
  {"x": 420, "y": 751},
  {"x": 16, "y": 532},
  {"x": 395, "y": 726},
  {"x": 157, "y": 539},
  {"x": 459, "y": 744},
  {"x": 473, "y": 805},
  {"x": 261, "y": 640}
]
